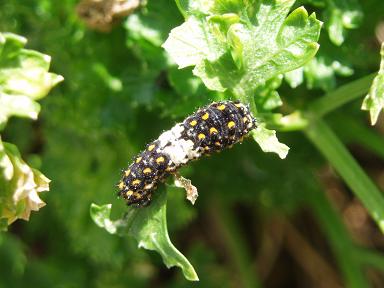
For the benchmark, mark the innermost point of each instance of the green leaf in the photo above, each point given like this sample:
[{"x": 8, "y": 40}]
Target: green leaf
[
  {"x": 295, "y": 77},
  {"x": 374, "y": 101},
  {"x": 339, "y": 16},
  {"x": 321, "y": 72},
  {"x": 24, "y": 77},
  {"x": 101, "y": 216},
  {"x": 149, "y": 227},
  {"x": 188, "y": 7},
  {"x": 17, "y": 105},
  {"x": 6, "y": 167},
  {"x": 267, "y": 98},
  {"x": 147, "y": 30},
  {"x": 152, "y": 23},
  {"x": 243, "y": 48},
  {"x": 342, "y": 15},
  {"x": 268, "y": 141}
]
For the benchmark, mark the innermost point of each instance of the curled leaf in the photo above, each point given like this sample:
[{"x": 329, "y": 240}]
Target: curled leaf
[
  {"x": 21, "y": 185},
  {"x": 148, "y": 225},
  {"x": 268, "y": 141},
  {"x": 185, "y": 183}
]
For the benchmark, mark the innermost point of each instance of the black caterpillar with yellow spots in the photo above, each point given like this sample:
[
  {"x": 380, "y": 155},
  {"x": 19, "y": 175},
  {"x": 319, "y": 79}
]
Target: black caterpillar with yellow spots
[{"x": 211, "y": 129}]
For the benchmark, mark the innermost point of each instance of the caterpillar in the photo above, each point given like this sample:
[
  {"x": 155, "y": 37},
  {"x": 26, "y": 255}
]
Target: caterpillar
[{"x": 210, "y": 129}]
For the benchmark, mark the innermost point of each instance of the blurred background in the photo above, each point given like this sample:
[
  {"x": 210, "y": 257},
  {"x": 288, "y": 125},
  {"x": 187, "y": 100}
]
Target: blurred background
[{"x": 258, "y": 219}]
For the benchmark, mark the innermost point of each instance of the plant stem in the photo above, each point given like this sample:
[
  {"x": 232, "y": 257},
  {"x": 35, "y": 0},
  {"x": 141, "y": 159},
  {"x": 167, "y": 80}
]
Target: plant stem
[
  {"x": 339, "y": 239},
  {"x": 340, "y": 96},
  {"x": 235, "y": 244},
  {"x": 358, "y": 133},
  {"x": 344, "y": 163}
]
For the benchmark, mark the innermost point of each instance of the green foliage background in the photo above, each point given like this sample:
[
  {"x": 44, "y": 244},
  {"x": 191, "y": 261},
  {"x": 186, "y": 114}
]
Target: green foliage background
[{"x": 120, "y": 92}]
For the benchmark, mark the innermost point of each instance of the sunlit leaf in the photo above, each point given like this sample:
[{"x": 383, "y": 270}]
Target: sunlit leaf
[
  {"x": 294, "y": 77},
  {"x": 268, "y": 141},
  {"x": 17, "y": 105},
  {"x": 6, "y": 167},
  {"x": 20, "y": 185},
  {"x": 374, "y": 101},
  {"x": 191, "y": 43},
  {"x": 267, "y": 98},
  {"x": 241, "y": 52},
  {"x": 24, "y": 77}
]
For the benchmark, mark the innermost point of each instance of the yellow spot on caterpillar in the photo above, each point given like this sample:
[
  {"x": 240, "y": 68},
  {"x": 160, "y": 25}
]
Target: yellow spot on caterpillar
[
  {"x": 213, "y": 130},
  {"x": 238, "y": 105},
  {"x": 121, "y": 185},
  {"x": 137, "y": 195},
  {"x": 139, "y": 159},
  {"x": 231, "y": 124},
  {"x": 193, "y": 123},
  {"x": 151, "y": 147},
  {"x": 221, "y": 107},
  {"x": 201, "y": 136},
  {"x": 127, "y": 172},
  {"x": 205, "y": 116},
  {"x": 206, "y": 148},
  {"x": 245, "y": 119},
  {"x": 160, "y": 160},
  {"x": 136, "y": 182},
  {"x": 147, "y": 170},
  {"x": 129, "y": 193},
  {"x": 217, "y": 143}
]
